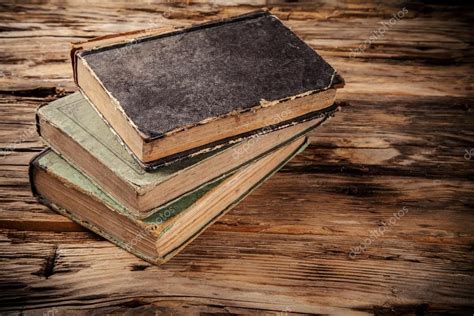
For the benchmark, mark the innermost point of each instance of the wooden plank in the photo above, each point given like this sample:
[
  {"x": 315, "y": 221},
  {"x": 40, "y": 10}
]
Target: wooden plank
[{"x": 278, "y": 272}]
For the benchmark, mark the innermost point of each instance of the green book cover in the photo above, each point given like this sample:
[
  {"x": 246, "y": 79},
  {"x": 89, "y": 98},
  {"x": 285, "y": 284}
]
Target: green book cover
[
  {"x": 77, "y": 197},
  {"x": 73, "y": 128}
]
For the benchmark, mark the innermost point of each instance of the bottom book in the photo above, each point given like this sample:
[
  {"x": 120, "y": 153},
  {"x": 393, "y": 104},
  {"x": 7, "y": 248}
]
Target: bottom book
[{"x": 163, "y": 234}]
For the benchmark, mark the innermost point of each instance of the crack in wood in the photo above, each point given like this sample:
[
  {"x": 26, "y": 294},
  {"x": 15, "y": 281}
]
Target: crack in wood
[
  {"x": 47, "y": 268},
  {"x": 39, "y": 92}
]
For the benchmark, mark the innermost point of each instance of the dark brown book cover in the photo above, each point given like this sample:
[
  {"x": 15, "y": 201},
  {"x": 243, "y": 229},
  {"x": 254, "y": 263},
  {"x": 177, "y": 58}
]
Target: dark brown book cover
[{"x": 164, "y": 83}]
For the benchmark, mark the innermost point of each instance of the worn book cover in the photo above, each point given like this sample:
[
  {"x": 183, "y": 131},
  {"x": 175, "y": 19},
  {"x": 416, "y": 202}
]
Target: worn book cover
[
  {"x": 161, "y": 235},
  {"x": 170, "y": 94},
  {"x": 74, "y": 130}
]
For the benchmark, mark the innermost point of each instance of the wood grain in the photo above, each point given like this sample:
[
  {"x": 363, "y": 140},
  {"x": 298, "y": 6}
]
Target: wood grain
[{"x": 399, "y": 140}]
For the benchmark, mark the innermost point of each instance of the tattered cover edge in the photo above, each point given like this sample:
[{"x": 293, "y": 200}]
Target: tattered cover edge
[
  {"x": 176, "y": 250},
  {"x": 329, "y": 111},
  {"x": 122, "y": 39}
]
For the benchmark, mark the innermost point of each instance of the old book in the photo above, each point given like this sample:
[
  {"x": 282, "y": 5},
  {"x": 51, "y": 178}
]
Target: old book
[
  {"x": 171, "y": 93},
  {"x": 74, "y": 130},
  {"x": 161, "y": 235}
]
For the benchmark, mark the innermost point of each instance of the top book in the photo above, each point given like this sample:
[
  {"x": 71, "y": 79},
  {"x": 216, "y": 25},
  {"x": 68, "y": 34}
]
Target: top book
[{"x": 171, "y": 94}]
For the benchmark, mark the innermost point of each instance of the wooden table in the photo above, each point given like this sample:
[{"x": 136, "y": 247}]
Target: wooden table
[{"x": 402, "y": 143}]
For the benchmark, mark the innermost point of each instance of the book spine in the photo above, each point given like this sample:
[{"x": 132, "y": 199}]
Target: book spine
[
  {"x": 31, "y": 167},
  {"x": 38, "y": 119}
]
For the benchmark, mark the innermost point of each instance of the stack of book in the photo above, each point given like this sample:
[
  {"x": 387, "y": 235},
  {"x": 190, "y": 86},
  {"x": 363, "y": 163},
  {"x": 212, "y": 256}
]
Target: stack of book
[{"x": 172, "y": 128}]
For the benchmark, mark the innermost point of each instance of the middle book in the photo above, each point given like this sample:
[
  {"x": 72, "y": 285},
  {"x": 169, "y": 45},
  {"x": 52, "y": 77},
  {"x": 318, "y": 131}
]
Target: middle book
[{"x": 73, "y": 128}]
